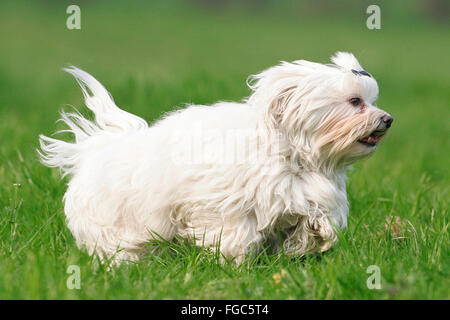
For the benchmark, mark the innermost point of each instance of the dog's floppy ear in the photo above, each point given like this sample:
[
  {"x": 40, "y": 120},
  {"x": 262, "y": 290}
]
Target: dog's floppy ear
[
  {"x": 273, "y": 90},
  {"x": 278, "y": 104}
]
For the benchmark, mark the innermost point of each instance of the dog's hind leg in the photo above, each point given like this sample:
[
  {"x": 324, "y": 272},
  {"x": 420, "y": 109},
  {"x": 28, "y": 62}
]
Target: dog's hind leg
[{"x": 109, "y": 225}]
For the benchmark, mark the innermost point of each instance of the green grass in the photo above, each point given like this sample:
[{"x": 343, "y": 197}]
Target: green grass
[{"x": 153, "y": 58}]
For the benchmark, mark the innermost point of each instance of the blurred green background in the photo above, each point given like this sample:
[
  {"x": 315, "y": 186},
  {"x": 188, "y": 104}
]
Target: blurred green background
[{"x": 155, "y": 55}]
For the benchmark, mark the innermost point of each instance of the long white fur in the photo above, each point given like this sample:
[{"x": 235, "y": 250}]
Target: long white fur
[{"x": 130, "y": 181}]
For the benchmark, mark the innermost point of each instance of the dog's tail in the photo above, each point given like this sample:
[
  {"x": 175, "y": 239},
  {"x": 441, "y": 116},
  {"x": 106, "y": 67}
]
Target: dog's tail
[{"x": 108, "y": 118}]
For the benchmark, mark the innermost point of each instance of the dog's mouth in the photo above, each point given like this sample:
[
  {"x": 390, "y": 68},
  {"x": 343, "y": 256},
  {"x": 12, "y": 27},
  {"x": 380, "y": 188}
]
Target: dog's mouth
[{"x": 372, "y": 139}]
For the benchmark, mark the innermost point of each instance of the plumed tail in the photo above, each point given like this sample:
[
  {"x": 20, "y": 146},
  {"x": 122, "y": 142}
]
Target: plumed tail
[{"x": 108, "y": 118}]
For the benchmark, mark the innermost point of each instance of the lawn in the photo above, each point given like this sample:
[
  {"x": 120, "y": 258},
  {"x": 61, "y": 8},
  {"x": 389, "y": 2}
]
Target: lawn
[{"x": 155, "y": 57}]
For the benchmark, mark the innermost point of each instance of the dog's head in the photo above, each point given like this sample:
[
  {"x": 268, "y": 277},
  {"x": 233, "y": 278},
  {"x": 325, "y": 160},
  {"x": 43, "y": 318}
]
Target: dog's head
[{"x": 326, "y": 111}]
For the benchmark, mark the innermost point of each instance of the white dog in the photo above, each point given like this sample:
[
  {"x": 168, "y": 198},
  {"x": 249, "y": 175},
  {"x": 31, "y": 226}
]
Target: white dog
[{"x": 230, "y": 175}]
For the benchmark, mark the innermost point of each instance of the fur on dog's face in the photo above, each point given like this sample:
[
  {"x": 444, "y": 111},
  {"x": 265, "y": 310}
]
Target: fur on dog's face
[{"x": 326, "y": 111}]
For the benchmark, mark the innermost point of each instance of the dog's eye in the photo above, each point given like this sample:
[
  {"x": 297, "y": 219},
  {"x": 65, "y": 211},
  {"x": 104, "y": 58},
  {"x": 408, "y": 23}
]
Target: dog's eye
[{"x": 355, "y": 101}]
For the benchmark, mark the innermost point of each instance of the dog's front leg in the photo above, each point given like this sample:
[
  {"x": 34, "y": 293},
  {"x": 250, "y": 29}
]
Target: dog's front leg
[{"x": 311, "y": 234}]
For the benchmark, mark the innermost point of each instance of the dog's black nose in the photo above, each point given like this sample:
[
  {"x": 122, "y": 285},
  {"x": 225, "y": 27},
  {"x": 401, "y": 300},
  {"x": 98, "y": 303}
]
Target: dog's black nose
[{"x": 387, "y": 119}]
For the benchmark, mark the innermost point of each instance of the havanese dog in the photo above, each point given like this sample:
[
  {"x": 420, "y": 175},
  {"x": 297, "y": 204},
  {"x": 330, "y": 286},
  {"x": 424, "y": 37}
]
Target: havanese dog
[{"x": 270, "y": 170}]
